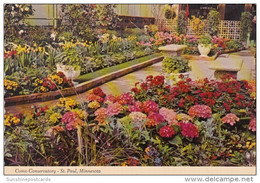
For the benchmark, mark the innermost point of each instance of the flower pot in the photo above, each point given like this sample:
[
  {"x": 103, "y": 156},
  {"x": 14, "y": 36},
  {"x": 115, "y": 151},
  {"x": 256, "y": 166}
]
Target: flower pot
[
  {"x": 69, "y": 71},
  {"x": 204, "y": 50},
  {"x": 173, "y": 78}
]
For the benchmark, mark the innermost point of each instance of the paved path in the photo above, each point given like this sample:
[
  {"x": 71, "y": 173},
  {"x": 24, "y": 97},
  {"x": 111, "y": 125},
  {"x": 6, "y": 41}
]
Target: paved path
[{"x": 124, "y": 84}]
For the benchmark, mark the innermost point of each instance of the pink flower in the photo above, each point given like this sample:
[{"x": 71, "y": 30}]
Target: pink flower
[
  {"x": 166, "y": 131},
  {"x": 125, "y": 98},
  {"x": 110, "y": 98},
  {"x": 230, "y": 119},
  {"x": 114, "y": 109},
  {"x": 101, "y": 115},
  {"x": 138, "y": 117},
  {"x": 252, "y": 125},
  {"x": 169, "y": 115},
  {"x": 154, "y": 119},
  {"x": 72, "y": 120},
  {"x": 150, "y": 106},
  {"x": 202, "y": 111},
  {"x": 189, "y": 130},
  {"x": 137, "y": 107}
]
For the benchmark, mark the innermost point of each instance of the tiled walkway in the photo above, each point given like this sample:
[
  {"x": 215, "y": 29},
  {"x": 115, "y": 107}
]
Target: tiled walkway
[{"x": 125, "y": 83}]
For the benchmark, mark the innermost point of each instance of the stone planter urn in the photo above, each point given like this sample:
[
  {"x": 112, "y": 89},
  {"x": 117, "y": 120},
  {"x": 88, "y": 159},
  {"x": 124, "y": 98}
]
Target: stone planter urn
[
  {"x": 204, "y": 50},
  {"x": 69, "y": 71}
]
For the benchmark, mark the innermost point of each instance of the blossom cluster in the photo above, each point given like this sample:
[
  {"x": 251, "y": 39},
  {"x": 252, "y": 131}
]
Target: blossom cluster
[
  {"x": 166, "y": 131},
  {"x": 169, "y": 115},
  {"x": 201, "y": 111},
  {"x": 189, "y": 130},
  {"x": 72, "y": 120},
  {"x": 230, "y": 119}
]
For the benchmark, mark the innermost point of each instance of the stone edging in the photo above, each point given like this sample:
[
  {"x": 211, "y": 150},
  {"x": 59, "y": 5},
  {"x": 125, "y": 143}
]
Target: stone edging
[{"x": 82, "y": 87}]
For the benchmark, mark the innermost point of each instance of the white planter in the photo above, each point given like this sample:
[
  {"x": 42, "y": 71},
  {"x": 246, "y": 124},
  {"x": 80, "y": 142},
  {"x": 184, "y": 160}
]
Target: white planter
[
  {"x": 68, "y": 71},
  {"x": 172, "y": 78},
  {"x": 204, "y": 50}
]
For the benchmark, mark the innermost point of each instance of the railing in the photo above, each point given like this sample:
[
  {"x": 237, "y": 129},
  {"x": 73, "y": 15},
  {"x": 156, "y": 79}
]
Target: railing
[{"x": 227, "y": 29}]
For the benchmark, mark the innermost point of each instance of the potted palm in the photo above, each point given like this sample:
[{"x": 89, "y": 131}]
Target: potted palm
[
  {"x": 173, "y": 67},
  {"x": 204, "y": 46}
]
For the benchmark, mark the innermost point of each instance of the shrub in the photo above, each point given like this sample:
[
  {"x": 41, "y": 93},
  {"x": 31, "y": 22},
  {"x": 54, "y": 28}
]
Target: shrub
[
  {"x": 213, "y": 20},
  {"x": 245, "y": 25},
  {"x": 181, "y": 23},
  {"x": 175, "y": 65}
]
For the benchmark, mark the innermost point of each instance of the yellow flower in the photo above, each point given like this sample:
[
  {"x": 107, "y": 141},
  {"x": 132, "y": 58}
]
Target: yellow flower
[
  {"x": 10, "y": 85},
  {"x": 68, "y": 103},
  {"x": 94, "y": 105},
  {"x": 253, "y": 95},
  {"x": 40, "y": 49},
  {"x": 55, "y": 117},
  {"x": 82, "y": 114},
  {"x": 9, "y": 119},
  {"x": 43, "y": 89},
  {"x": 15, "y": 120}
]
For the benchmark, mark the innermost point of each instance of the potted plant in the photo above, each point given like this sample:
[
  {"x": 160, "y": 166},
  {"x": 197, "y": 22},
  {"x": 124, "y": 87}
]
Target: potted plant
[
  {"x": 68, "y": 62},
  {"x": 173, "y": 67},
  {"x": 204, "y": 45}
]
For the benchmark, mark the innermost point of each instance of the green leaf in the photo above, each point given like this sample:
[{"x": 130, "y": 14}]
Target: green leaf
[{"x": 176, "y": 140}]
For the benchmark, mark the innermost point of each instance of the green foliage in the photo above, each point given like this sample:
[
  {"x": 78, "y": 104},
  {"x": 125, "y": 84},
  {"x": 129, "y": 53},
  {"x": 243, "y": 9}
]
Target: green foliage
[
  {"x": 181, "y": 23},
  {"x": 205, "y": 40},
  {"x": 169, "y": 13},
  {"x": 82, "y": 20},
  {"x": 245, "y": 25},
  {"x": 14, "y": 20},
  {"x": 213, "y": 20},
  {"x": 175, "y": 65},
  {"x": 233, "y": 44}
]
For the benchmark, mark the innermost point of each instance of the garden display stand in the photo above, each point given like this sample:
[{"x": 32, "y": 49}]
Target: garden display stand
[
  {"x": 226, "y": 65},
  {"x": 172, "y": 49}
]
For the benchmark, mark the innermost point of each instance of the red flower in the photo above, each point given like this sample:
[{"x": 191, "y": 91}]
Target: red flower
[
  {"x": 166, "y": 131},
  {"x": 52, "y": 86},
  {"x": 132, "y": 161},
  {"x": 189, "y": 130},
  {"x": 150, "y": 106},
  {"x": 144, "y": 86},
  {"x": 149, "y": 78},
  {"x": 227, "y": 107},
  {"x": 60, "y": 74},
  {"x": 135, "y": 90},
  {"x": 98, "y": 91},
  {"x": 158, "y": 80}
]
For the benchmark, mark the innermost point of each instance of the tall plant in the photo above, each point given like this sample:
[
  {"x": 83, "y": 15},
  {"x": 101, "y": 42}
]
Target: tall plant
[
  {"x": 245, "y": 25},
  {"x": 213, "y": 20},
  {"x": 181, "y": 23}
]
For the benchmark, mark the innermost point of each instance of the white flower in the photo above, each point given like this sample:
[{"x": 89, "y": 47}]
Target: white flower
[
  {"x": 21, "y": 32},
  {"x": 26, "y": 9},
  {"x": 12, "y": 7},
  {"x": 53, "y": 36}
]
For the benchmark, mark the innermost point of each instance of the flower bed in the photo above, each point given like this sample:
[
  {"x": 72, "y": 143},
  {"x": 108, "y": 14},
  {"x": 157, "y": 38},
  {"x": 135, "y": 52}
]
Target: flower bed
[
  {"x": 194, "y": 123},
  {"x": 87, "y": 81}
]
